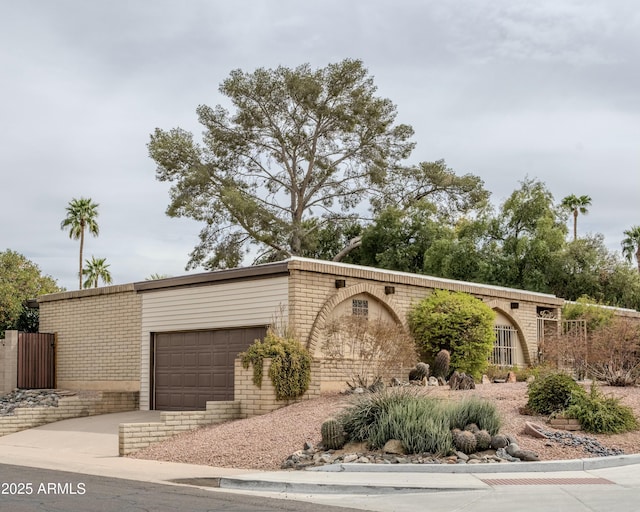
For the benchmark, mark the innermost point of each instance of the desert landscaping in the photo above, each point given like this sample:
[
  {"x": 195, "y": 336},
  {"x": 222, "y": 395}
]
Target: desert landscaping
[{"x": 265, "y": 442}]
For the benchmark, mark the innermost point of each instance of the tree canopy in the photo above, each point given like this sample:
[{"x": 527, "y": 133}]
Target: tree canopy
[
  {"x": 20, "y": 280},
  {"x": 300, "y": 144}
]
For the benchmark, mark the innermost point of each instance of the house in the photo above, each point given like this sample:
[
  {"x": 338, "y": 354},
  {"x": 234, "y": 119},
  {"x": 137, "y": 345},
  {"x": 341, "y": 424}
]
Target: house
[{"x": 175, "y": 340}]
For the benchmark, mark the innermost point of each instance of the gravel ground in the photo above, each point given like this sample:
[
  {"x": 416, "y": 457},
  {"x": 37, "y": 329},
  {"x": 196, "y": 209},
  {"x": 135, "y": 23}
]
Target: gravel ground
[{"x": 264, "y": 442}]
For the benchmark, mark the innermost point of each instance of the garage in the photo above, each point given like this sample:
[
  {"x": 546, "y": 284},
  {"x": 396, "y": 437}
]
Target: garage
[{"x": 193, "y": 367}]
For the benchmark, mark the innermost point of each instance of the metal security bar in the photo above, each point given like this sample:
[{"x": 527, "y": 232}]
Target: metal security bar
[{"x": 504, "y": 349}]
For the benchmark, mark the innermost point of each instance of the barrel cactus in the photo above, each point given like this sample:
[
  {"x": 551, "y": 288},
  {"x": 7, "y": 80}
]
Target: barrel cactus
[
  {"x": 332, "y": 432},
  {"x": 441, "y": 364},
  {"x": 483, "y": 440},
  {"x": 472, "y": 427},
  {"x": 465, "y": 441}
]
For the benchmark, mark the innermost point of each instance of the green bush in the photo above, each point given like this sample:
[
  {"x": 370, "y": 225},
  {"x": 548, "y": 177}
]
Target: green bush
[
  {"x": 475, "y": 410},
  {"x": 552, "y": 393},
  {"x": 457, "y": 322},
  {"x": 421, "y": 423},
  {"x": 599, "y": 414},
  {"x": 290, "y": 370}
]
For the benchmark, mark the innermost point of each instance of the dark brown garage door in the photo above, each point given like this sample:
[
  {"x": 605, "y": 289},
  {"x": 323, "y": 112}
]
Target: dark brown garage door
[{"x": 192, "y": 368}]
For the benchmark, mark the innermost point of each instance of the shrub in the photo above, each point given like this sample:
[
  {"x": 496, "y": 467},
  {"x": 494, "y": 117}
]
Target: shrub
[
  {"x": 615, "y": 353},
  {"x": 475, "y": 410},
  {"x": 552, "y": 393},
  {"x": 457, "y": 322},
  {"x": 599, "y": 414},
  {"x": 290, "y": 370},
  {"x": 374, "y": 348},
  {"x": 421, "y": 423}
]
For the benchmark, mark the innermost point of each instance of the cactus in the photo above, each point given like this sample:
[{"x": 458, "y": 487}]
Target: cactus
[
  {"x": 465, "y": 441},
  {"x": 483, "y": 440},
  {"x": 472, "y": 427},
  {"x": 332, "y": 432},
  {"x": 420, "y": 372},
  {"x": 441, "y": 364}
]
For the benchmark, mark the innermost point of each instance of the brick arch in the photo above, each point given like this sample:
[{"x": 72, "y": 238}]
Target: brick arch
[
  {"x": 496, "y": 306},
  {"x": 342, "y": 295}
]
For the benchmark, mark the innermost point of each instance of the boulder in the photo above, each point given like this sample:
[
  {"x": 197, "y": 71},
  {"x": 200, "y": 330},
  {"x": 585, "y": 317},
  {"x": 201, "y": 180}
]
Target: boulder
[{"x": 394, "y": 446}]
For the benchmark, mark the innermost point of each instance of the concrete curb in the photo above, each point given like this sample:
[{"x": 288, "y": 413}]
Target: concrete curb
[
  {"x": 510, "y": 467},
  {"x": 332, "y": 488}
]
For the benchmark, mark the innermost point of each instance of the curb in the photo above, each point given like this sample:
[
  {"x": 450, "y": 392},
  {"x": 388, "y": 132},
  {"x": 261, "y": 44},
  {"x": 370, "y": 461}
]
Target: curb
[
  {"x": 510, "y": 467},
  {"x": 331, "y": 488}
]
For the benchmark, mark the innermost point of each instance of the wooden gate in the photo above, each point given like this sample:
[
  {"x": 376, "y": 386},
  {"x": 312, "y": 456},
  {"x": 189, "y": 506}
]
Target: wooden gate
[{"x": 36, "y": 360}]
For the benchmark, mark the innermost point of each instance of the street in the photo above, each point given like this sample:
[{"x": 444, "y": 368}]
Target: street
[{"x": 24, "y": 489}]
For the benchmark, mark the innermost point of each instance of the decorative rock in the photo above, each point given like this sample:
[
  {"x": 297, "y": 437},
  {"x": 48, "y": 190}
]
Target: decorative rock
[
  {"x": 461, "y": 456},
  {"x": 394, "y": 446},
  {"x": 512, "y": 449},
  {"x": 503, "y": 455},
  {"x": 351, "y": 457},
  {"x": 461, "y": 381},
  {"x": 530, "y": 379},
  {"x": 433, "y": 381},
  {"x": 29, "y": 398},
  {"x": 534, "y": 430},
  {"x": 525, "y": 455},
  {"x": 511, "y": 377},
  {"x": 499, "y": 441},
  {"x": 485, "y": 380}
]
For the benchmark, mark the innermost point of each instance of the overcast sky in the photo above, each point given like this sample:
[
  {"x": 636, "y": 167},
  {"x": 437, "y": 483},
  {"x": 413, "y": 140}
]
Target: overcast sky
[{"x": 503, "y": 89}]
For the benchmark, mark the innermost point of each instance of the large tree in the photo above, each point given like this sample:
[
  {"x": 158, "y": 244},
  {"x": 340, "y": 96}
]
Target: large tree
[
  {"x": 81, "y": 216},
  {"x": 576, "y": 205},
  {"x": 631, "y": 245},
  {"x": 529, "y": 235},
  {"x": 97, "y": 270},
  {"x": 300, "y": 144},
  {"x": 20, "y": 280}
]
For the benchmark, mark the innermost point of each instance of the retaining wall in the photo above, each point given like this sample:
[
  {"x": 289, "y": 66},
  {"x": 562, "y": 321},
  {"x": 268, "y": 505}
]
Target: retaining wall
[
  {"x": 249, "y": 401},
  {"x": 69, "y": 407}
]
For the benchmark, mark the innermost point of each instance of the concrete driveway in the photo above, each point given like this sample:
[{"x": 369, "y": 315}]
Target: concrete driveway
[{"x": 91, "y": 435}]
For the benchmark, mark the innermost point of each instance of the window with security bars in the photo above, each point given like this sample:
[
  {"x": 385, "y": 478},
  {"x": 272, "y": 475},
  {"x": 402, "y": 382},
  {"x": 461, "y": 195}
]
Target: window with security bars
[
  {"x": 504, "y": 348},
  {"x": 360, "y": 307}
]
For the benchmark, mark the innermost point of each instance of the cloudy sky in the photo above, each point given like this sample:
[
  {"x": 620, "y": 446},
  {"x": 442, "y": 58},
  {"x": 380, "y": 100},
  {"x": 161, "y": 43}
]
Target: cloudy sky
[{"x": 503, "y": 89}]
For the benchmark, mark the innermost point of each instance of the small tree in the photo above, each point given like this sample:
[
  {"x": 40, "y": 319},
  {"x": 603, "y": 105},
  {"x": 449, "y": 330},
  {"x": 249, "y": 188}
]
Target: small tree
[
  {"x": 368, "y": 348},
  {"x": 457, "y": 322}
]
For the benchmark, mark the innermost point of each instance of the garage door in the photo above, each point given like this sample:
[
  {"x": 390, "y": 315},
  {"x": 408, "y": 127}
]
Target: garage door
[{"x": 192, "y": 368}]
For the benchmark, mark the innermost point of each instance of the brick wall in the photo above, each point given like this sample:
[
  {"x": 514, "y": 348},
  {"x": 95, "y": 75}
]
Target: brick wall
[
  {"x": 135, "y": 436},
  {"x": 314, "y": 296},
  {"x": 255, "y": 401},
  {"x": 98, "y": 337},
  {"x": 68, "y": 407}
]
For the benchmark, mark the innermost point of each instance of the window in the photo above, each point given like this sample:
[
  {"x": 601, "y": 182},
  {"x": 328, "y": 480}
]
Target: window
[
  {"x": 360, "y": 307},
  {"x": 504, "y": 349}
]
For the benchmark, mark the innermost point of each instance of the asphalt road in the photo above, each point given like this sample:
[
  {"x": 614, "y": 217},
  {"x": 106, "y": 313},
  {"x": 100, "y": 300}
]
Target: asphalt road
[{"x": 24, "y": 489}]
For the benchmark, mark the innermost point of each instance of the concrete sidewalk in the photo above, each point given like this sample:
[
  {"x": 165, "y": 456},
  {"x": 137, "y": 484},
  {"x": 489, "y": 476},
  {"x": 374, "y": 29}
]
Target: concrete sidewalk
[{"x": 90, "y": 446}]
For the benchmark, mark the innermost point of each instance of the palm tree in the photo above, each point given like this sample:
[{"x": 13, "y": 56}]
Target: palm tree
[
  {"x": 631, "y": 244},
  {"x": 81, "y": 216},
  {"x": 576, "y": 205},
  {"x": 97, "y": 269}
]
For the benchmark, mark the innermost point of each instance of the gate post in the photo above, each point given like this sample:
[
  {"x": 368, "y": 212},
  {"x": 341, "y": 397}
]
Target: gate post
[{"x": 9, "y": 362}]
